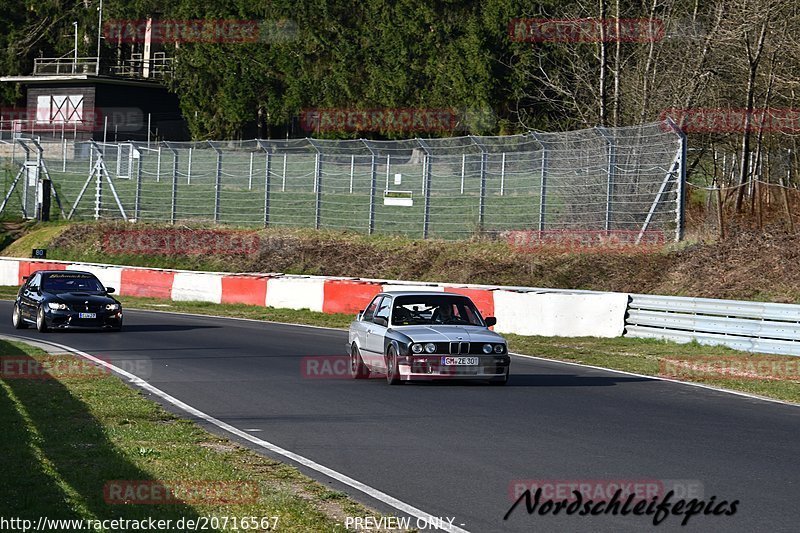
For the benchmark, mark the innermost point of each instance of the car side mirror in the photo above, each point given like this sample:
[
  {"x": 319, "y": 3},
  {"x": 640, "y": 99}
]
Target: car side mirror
[
  {"x": 490, "y": 321},
  {"x": 25, "y": 278},
  {"x": 381, "y": 321},
  {"x": 359, "y": 316},
  {"x": 109, "y": 290}
]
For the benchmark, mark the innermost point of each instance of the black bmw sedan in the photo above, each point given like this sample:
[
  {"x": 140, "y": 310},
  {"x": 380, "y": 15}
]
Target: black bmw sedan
[{"x": 66, "y": 299}]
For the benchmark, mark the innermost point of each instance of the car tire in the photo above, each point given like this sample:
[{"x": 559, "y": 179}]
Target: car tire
[
  {"x": 41, "y": 321},
  {"x": 16, "y": 318},
  {"x": 499, "y": 381},
  {"x": 392, "y": 372},
  {"x": 358, "y": 370}
]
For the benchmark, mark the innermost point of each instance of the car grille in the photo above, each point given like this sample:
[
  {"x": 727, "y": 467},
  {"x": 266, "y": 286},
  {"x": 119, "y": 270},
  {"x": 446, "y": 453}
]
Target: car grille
[
  {"x": 459, "y": 348},
  {"x": 91, "y": 308}
]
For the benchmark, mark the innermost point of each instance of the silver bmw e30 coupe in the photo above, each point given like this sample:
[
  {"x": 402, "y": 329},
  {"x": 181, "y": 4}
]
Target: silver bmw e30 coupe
[{"x": 410, "y": 335}]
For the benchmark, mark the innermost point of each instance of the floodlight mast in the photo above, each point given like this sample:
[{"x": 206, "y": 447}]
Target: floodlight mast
[{"x": 99, "y": 37}]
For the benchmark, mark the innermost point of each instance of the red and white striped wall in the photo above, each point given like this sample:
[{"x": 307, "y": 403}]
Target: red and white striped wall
[{"x": 521, "y": 310}]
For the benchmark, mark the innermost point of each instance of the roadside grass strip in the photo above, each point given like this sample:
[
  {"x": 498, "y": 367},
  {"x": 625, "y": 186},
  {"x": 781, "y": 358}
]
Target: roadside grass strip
[{"x": 78, "y": 443}]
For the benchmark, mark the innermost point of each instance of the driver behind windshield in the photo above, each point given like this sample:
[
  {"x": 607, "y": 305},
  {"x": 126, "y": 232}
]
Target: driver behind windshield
[{"x": 410, "y": 310}]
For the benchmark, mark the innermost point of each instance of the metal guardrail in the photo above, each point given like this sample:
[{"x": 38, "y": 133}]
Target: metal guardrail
[{"x": 750, "y": 326}]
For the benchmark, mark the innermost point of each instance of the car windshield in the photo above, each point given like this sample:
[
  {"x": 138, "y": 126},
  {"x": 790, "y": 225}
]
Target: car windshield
[
  {"x": 435, "y": 310},
  {"x": 71, "y": 283}
]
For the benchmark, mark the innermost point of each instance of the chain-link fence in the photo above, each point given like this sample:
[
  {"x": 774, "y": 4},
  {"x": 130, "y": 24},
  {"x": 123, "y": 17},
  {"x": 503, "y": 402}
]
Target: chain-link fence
[{"x": 608, "y": 180}]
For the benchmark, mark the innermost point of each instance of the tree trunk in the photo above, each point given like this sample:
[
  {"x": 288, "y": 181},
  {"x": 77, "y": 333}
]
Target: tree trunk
[{"x": 602, "y": 96}]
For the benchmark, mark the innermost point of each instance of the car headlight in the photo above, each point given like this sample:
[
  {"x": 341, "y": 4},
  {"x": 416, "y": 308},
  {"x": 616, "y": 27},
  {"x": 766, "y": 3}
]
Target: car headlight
[
  {"x": 112, "y": 307},
  {"x": 499, "y": 348},
  {"x": 430, "y": 347},
  {"x": 487, "y": 348},
  {"x": 416, "y": 348},
  {"x": 57, "y": 306}
]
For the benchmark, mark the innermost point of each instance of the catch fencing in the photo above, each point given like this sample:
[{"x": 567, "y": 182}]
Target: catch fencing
[{"x": 607, "y": 181}]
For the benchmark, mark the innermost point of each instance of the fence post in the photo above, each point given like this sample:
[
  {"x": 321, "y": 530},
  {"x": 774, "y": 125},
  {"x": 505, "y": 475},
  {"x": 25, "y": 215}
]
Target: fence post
[
  {"x": 463, "y": 170},
  {"x": 482, "y": 198},
  {"x": 317, "y": 185},
  {"x": 612, "y": 168},
  {"x": 267, "y": 165},
  {"x": 137, "y": 200},
  {"x": 250, "y": 175},
  {"x": 267, "y": 179},
  {"x": 174, "y": 193},
  {"x": 680, "y": 215},
  {"x": 158, "y": 165},
  {"x": 543, "y": 182},
  {"x": 352, "y": 170},
  {"x": 388, "y": 165},
  {"x": 98, "y": 188},
  {"x": 502, "y": 174},
  {"x": 189, "y": 167},
  {"x": 373, "y": 184},
  {"x": 217, "y": 182},
  {"x": 283, "y": 185},
  {"x": 426, "y": 188}
]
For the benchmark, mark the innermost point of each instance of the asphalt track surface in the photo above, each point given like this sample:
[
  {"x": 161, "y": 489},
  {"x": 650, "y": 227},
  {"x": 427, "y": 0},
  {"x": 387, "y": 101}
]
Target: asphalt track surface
[{"x": 456, "y": 450}]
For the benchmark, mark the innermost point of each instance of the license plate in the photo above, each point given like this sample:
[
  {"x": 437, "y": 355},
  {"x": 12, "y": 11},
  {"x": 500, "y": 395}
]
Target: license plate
[
  {"x": 460, "y": 361},
  {"x": 87, "y": 315}
]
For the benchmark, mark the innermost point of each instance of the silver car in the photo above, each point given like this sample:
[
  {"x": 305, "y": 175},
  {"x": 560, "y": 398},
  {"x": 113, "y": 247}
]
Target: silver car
[{"x": 426, "y": 335}]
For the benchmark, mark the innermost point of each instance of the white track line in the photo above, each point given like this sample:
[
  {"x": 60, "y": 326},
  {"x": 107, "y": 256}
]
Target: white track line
[{"x": 308, "y": 463}]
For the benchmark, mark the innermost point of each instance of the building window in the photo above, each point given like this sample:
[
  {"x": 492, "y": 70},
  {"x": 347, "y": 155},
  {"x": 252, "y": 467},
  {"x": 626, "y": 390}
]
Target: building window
[{"x": 59, "y": 109}]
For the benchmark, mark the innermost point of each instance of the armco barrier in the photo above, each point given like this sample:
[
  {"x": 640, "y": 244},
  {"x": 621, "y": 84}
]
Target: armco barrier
[
  {"x": 523, "y": 310},
  {"x": 750, "y": 326}
]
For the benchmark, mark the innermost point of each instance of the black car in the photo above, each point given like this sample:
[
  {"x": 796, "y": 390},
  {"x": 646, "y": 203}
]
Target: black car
[{"x": 66, "y": 299}]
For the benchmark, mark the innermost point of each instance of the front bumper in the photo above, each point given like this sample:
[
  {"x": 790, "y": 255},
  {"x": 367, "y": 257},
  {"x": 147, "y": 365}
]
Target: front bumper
[
  {"x": 425, "y": 367},
  {"x": 67, "y": 319}
]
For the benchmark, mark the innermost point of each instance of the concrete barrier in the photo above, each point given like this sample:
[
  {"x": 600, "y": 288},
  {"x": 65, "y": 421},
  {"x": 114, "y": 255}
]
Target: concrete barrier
[{"x": 525, "y": 311}]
